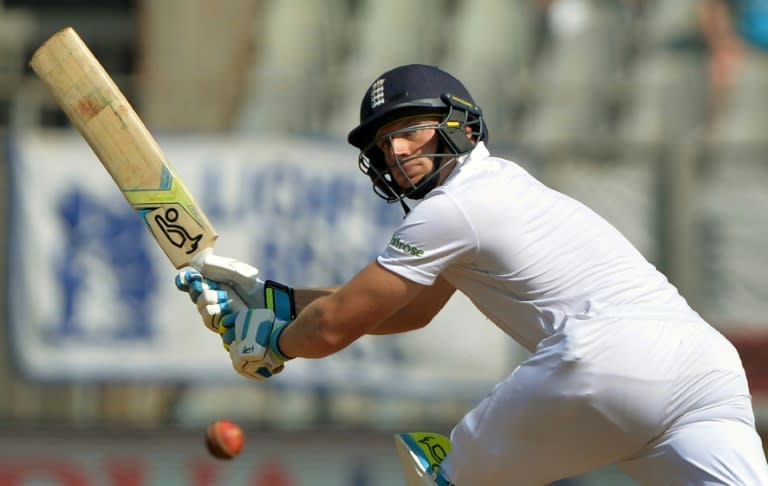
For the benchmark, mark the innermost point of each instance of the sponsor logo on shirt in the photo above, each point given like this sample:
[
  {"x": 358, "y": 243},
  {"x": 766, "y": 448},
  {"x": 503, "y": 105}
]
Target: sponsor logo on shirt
[{"x": 407, "y": 248}]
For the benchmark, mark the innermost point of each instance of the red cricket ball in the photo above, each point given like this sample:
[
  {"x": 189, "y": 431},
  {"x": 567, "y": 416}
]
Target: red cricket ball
[{"x": 224, "y": 439}]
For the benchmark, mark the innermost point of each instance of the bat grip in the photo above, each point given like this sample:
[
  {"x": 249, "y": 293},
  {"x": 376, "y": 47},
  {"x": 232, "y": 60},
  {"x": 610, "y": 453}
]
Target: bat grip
[{"x": 241, "y": 276}]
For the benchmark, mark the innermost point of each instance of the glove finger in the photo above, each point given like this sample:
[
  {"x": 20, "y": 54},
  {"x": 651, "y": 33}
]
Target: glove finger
[
  {"x": 233, "y": 305},
  {"x": 184, "y": 278},
  {"x": 195, "y": 288},
  {"x": 201, "y": 289},
  {"x": 215, "y": 323},
  {"x": 180, "y": 282},
  {"x": 212, "y": 315},
  {"x": 209, "y": 297},
  {"x": 234, "y": 302},
  {"x": 228, "y": 336},
  {"x": 229, "y": 320}
]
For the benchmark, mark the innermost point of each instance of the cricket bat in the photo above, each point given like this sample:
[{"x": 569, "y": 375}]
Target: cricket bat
[
  {"x": 420, "y": 455},
  {"x": 109, "y": 124}
]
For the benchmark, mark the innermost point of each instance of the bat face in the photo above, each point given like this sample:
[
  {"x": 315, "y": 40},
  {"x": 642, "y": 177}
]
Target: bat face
[
  {"x": 171, "y": 216},
  {"x": 118, "y": 137}
]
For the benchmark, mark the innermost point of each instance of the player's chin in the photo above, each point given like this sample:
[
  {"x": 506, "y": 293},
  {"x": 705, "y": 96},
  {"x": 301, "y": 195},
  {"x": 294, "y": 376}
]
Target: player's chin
[{"x": 408, "y": 183}]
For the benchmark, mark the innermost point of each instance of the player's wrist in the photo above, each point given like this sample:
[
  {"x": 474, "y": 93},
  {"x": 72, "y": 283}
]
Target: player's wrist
[
  {"x": 279, "y": 298},
  {"x": 274, "y": 341}
]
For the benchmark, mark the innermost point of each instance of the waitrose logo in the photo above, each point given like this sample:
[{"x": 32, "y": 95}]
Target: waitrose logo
[{"x": 399, "y": 244}]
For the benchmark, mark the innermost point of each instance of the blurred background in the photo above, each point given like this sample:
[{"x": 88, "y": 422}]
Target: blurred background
[{"x": 652, "y": 112}]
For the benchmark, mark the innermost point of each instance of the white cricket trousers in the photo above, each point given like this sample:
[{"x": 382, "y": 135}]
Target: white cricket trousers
[{"x": 666, "y": 400}]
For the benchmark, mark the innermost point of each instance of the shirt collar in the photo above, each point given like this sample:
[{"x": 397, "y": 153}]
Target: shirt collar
[{"x": 478, "y": 153}]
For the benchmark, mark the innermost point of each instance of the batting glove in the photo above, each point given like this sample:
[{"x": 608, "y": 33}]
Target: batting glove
[
  {"x": 252, "y": 336},
  {"x": 213, "y": 299}
]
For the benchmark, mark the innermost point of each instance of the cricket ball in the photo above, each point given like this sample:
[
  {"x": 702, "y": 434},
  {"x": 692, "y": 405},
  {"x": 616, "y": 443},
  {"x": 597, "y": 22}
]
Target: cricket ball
[{"x": 224, "y": 439}]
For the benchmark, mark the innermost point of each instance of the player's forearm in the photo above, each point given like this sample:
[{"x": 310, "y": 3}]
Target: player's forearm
[
  {"x": 332, "y": 319},
  {"x": 400, "y": 322},
  {"x": 314, "y": 333},
  {"x": 303, "y": 297},
  {"x": 419, "y": 312}
]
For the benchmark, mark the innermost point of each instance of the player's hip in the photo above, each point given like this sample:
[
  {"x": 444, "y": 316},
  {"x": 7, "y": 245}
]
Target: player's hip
[
  {"x": 660, "y": 346},
  {"x": 596, "y": 393},
  {"x": 645, "y": 374}
]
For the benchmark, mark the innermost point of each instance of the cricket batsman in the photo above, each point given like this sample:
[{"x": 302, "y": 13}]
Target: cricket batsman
[{"x": 622, "y": 370}]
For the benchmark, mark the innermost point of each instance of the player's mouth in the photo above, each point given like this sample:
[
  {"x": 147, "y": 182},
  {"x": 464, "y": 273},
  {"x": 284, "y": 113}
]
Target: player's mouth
[{"x": 411, "y": 167}]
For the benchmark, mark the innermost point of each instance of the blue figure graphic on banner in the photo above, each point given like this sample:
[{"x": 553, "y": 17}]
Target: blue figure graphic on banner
[{"x": 103, "y": 242}]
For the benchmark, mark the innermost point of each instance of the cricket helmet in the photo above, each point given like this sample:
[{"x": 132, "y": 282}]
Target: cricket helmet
[{"x": 415, "y": 89}]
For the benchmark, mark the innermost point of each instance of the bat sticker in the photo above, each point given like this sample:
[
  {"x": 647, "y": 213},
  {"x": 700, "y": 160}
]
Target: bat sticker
[
  {"x": 175, "y": 231},
  {"x": 174, "y": 227}
]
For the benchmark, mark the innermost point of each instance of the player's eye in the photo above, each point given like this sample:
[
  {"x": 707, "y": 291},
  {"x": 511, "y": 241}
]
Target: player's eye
[
  {"x": 384, "y": 144},
  {"x": 413, "y": 133}
]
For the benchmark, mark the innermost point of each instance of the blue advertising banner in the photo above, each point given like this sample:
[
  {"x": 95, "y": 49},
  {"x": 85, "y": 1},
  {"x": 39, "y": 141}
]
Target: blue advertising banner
[{"x": 92, "y": 296}]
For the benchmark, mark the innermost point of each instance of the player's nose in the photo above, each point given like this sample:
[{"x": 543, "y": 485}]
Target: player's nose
[{"x": 401, "y": 147}]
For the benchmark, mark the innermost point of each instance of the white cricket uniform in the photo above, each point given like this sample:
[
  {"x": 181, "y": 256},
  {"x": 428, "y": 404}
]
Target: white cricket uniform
[{"x": 623, "y": 371}]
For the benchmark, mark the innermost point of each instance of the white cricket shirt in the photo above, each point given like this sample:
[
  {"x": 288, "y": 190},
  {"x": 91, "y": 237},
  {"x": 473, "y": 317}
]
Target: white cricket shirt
[{"x": 526, "y": 255}]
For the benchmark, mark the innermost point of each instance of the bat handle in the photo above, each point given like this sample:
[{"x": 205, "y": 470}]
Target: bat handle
[{"x": 241, "y": 276}]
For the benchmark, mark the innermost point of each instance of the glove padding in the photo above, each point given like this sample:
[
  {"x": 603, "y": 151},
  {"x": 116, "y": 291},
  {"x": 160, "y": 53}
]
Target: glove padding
[
  {"x": 251, "y": 337},
  {"x": 213, "y": 299}
]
